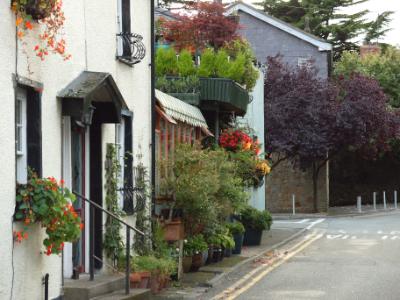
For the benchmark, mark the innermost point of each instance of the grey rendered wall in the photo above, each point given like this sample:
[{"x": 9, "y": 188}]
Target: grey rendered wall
[{"x": 268, "y": 40}]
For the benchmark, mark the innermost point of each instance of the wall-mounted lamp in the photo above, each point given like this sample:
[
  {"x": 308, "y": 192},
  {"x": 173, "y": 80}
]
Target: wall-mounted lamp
[{"x": 88, "y": 115}]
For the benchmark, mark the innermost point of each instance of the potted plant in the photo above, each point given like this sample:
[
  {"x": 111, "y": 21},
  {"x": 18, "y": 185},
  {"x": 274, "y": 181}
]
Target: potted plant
[
  {"x": 187, "y": 256},
  {"x": 255, "y": 222},
  {"x": 45, "y": 201},
  {"x": 228, "y": 243},
  {"x": 198, "y": 246},
  {"x": 237, "y": 230},
  {"x": 145, "y": 266},
  {"x": 215, "y": 242}
]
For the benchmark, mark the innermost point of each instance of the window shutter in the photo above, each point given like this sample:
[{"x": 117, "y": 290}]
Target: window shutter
[{"x": 34, "y": 131}]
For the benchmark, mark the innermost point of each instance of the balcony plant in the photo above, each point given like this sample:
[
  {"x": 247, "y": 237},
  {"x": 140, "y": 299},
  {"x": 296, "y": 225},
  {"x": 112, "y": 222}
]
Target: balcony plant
[
  {"x": 48, "y": 14},
  {"x": 45, "y": 201},
  {"x": 255, "y": 222}
]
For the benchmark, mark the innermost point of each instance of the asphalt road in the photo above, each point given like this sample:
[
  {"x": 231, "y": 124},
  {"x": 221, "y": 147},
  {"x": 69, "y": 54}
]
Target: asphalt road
[{"x": 353, "y": 258}]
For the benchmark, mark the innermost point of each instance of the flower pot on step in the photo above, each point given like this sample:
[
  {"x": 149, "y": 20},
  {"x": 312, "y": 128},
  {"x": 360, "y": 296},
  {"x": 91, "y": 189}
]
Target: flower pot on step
[
  {"x": 135, "y": 279},
  {"x": 221, "y": 254},
  {"x": 252, "y": 237},
  {"x": 204, "y": 255},
  {"x": 238, "y": 238},
  {"x": 144, "y": 280},
  {"x": 155, "y": 283},
  {"x": 228, "y": 252},
  {"x": 210, "y": 254},
  {"x": 186, "y": 264},
  {"x": 197, "y": 262},
  {"x": 216, "y": 255}
]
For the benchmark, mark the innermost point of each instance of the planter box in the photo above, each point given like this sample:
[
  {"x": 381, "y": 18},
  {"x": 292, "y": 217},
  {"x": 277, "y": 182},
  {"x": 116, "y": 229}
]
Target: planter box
[
  {"x": 226, "y": 92},
  {"x": 173, "y": 231},
  {"x": 252, "y": 237},
  {"x": 189, "y": 98}
]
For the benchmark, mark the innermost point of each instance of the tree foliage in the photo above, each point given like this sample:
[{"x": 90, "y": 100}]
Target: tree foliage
[
  {"x": 385, "y": 68},
  {"x": 309, "y": 120},
  {"x": 327, "y": 20},
  {"x": 205, "y": 26}
]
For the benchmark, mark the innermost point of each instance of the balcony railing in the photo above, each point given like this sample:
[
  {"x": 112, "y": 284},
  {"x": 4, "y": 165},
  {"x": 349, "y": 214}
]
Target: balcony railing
[{"x": 133, "y": 49}]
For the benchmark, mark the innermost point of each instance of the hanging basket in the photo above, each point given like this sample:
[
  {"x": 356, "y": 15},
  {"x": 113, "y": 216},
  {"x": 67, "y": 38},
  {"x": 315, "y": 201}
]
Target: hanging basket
[{"x": 39, "y": 9}]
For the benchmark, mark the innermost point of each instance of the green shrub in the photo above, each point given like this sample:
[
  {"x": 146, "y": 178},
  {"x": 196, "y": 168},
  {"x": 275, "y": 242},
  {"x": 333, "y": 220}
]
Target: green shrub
[
  {"x": 185, "y": 64},
  {"x": 153, "y": 264},
  {"x": 207, "y": 64},
  {"x": 252, "y": 218},
  {"x": 194, "y": 245},
  {"x": 189, "y": 84},
  {"x": 166, "y": 62},
  {"x": 237, "y": 69},
  {"x": 222, "y": 64},
  {"x": 235, "y": 227}
]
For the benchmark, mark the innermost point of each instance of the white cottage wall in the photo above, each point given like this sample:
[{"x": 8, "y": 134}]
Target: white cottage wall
[{"x": 90, "y": 33}]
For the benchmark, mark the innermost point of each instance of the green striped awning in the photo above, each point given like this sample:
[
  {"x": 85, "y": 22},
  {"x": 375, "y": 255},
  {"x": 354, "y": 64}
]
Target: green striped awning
[{"x": 180, "y": 110}]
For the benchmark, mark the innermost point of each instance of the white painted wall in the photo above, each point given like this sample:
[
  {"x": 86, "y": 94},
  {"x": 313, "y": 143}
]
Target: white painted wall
[
  {"x": 254, "y": 118},
  {"x": 90, "y": 30}
]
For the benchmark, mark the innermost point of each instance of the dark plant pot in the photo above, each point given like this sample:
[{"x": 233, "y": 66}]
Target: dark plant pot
[
  {"x": 221, "y": 254},
  {"x": 216, "y": 255},
  {"x": 210, "y": 255},
  {"x": 144, "y": 280},
  {"x": 34, "y": 9},
  {"x": 252, "y": 237},
  {"x": 228, "y": 252},
  {"x": 186, "y": 264},
  {"x": 197, "y": 262},
  {"x": 238, "y": 238}
]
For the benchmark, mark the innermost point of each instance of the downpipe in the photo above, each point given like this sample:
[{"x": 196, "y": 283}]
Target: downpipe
[{"x": 45, "y": 282}]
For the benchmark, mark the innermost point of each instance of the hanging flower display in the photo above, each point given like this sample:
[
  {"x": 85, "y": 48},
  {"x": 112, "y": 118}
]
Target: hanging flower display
[
  {"x": 47, "y": 13},
  {"x": 44, "y": 201}
]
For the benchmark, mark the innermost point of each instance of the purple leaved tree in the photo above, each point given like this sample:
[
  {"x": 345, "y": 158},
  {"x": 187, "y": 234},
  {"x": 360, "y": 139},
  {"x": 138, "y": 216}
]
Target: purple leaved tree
[{"x": 309, "y": 120}]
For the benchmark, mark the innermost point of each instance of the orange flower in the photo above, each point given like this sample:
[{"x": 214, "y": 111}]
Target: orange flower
[
  {"x": 27, "y": 221},
  {"x": 81, "y": 225},
  {"x": 28, "y": 25},
  {"x": 18, "y": 21},
  {"x": 20, "y": 34}
]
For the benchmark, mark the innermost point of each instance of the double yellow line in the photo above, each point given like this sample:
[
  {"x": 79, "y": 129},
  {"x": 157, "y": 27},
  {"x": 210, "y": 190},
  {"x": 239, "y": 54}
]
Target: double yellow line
[{"x": 251, "y": 278}]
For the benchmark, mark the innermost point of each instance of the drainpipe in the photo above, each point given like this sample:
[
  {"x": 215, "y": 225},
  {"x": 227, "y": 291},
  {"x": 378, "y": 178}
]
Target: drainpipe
[
  {"x": 45, "y": 282},
  {"x": 153, "y": 108}
]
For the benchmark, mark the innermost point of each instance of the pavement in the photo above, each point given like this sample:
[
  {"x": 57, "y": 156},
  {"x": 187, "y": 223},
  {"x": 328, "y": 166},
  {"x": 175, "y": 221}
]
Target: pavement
[{"x": 314, "y": 275}]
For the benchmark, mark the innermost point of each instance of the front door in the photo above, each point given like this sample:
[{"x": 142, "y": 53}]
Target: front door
[{"x": 78, "y": 182}]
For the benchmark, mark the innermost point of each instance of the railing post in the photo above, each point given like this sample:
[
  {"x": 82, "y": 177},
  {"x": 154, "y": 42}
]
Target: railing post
[
  {"x": 128, "y": 260},
  {"x": 91, "y": 247}
]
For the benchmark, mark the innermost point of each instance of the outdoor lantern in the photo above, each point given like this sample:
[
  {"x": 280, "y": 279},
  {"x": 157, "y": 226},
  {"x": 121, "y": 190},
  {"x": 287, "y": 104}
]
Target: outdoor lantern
[{"x": 88, "y": 115}]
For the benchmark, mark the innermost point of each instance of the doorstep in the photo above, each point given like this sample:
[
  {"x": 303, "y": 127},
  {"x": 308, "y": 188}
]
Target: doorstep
[{"x": 194, "y": 284}]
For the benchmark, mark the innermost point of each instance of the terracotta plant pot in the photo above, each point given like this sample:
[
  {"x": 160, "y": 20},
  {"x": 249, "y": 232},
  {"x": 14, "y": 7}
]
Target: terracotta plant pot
[
  {"x": 186, "y": 264},
  {"x": 173, "y": 230},
  {"x": 135, "y": 280},
  {"x": 197, "y": 262},
  {"x": 144, "y": 280},
  {"x": 155, "y": 282}
]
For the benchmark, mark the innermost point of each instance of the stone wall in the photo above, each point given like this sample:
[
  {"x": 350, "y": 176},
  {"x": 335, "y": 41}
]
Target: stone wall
[{"x": 285, "y": 180}]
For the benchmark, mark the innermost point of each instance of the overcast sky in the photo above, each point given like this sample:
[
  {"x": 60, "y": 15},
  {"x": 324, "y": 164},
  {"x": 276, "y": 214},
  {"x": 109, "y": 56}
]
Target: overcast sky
[{"x": 376, "y": 7}]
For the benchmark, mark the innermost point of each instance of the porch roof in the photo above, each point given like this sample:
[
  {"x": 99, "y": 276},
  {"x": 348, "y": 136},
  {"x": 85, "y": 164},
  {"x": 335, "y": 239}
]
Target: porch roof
[
  {"x": 96, "y": 90},
  {"x": 180, "y": 110}
]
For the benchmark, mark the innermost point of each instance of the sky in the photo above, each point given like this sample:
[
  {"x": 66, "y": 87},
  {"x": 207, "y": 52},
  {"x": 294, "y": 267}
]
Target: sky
[{"x": 376, "y": 7}]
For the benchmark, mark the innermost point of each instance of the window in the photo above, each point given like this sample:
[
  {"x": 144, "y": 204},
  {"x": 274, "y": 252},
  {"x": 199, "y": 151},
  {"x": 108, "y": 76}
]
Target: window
[
  {"x": 123, "y": 140},
  {"x": 124, "y": 28},
  {"x": 28, "y": 134}
]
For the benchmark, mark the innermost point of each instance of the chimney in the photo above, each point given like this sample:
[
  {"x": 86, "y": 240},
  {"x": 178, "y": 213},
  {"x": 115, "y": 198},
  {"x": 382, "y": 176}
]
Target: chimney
[{"x": 370, "y": 49}]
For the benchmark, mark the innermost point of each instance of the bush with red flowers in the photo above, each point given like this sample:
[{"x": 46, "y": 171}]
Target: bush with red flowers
[{"x": 47, "y": 202}]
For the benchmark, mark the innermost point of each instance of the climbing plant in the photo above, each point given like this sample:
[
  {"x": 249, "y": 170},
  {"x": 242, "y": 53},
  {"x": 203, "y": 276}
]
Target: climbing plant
[{"x": 113, "y": 244}]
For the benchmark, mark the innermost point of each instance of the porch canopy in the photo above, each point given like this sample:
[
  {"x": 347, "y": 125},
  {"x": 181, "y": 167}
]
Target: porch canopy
[
  {"x": 93, "y": 94},
  {"x": 175, "y": 109}
]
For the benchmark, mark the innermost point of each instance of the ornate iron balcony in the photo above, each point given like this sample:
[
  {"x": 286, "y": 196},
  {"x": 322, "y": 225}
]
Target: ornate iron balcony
[{"x": 133, "y": 49}]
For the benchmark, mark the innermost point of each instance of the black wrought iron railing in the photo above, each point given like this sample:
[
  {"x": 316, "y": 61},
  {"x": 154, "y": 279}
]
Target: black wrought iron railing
[
  {"x": 128, "y": 228},
  {"x": 133, "y": 49}
]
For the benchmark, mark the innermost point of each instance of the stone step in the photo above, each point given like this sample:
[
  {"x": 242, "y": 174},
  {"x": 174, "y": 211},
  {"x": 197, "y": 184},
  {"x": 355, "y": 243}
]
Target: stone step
[
  {"x": 135, "y": 294},
  {"x": 84, "y": 289}
]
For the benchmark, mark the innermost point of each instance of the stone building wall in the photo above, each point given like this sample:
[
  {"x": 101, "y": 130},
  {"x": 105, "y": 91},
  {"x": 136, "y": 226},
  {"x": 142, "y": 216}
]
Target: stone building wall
[{"x": 284, "y": 180}]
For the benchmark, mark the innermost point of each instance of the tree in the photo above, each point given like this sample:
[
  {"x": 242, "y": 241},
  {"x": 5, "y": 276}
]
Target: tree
[
  {"x": 327, "y": 20},
  {"x": 205, "y": 26},
  {"x": 379, "y": 27},
  {"x": 385, "y": 68},
  {"x": 309, "y": 120}
]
